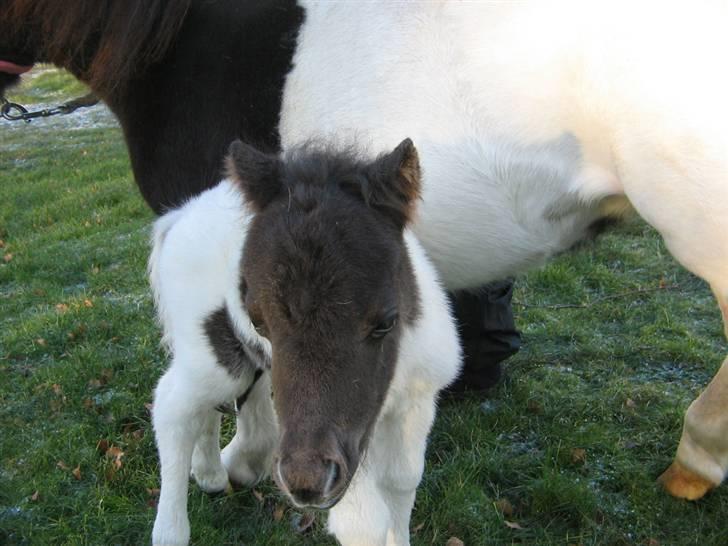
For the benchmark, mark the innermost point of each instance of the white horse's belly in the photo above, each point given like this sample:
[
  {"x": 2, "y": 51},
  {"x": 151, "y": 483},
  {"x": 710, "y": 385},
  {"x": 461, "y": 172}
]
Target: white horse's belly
[{"x": 498, "y": 181}]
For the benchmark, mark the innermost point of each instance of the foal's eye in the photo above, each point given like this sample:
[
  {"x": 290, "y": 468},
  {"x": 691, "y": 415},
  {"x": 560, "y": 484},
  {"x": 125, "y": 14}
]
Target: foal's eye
[{"x": 384, "y": 327}]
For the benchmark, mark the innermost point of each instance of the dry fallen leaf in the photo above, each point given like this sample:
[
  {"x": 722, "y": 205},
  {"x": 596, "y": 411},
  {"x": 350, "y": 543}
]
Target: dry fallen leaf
[
  {"x": 62, "y": 465},
  {"x": 116, "y": 454},
  {"x": 454, "y": 541},
  {"x": 303, "y": 522},
  {"x": 513, "y": 525},
  {"x": 8, "y": 257},
  {"x": 61, "y": 307},
  {"x": 631, "y": 404},
  {"x": 278, "y": 512},
  {"x": 42, "y": 342},
  {"x": 88, "y": 303},
  {"x": 258, "y": 496},
  {"x": 57, "y": 390},
  {"x": 578, "y": 455},
  {"x": 153, "y": 492},
  {"x": 103, "y": 445},
  {"x": 417, "y": 528},
  {"x": 504, "y": 506},
  {"x": 35, "y": 496},
  {"x": 77, "y": 472}
]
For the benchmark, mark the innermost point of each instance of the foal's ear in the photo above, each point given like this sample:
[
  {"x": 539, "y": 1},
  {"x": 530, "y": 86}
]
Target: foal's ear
[
  {"x": 256, "y": 173},
  {"x": 394, "y": 180}
]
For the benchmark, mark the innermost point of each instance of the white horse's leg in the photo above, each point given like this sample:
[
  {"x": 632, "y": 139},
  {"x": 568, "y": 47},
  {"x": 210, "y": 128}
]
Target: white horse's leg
[
  {"x": 177, "y": 424},
  {"x": 376, "y": 509},
  {"x": 701, "y": 461},
  {"x": 680, "y": 186},
  {"x": 249, "y": 455},
  {"x": 207, "y": 468}
]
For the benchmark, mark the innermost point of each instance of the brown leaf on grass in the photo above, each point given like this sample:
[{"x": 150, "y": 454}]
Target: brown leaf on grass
[
  {"x": 151, "y": 503},
  {"x": 303, "y": 523},
  {"x": 2, "y": 243},
  {"x": 8, "y": 257},
  {"x": 103, "y": 445},
  {"x": 149, "y": 406},
  {"x": 57, "y": 390},
  {"x": 454, "y": 541},
  {"x": 258, "y": 496},
  {"x": 41, "y": 342},
  {"x": 61, "y": 307},
  {"x": 631, "y": 404},
  {"x": 107, "y": 374},
  {"x": 578, "y": 455},
  {"x": 153, "y": 492},
  {"x": 278, "y": 512},
  {"x": 88, "y": 303},
  {"x": 513, "y": 525},
  {"x": 504, "y": 506},
  {"x": 652, "y": 542},
  {"x": 417, "y": 528},
  {"x": 62, "y": 465},
  {"x": 35, "y": 496},
  {"x": 115, "y": 453},
  {"x": 77, "y": 472},
  {"x": 95, "y": 270}
]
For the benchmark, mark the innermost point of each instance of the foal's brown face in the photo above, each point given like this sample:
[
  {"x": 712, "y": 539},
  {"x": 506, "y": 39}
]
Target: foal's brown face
[{"x": 327, "y": 279}]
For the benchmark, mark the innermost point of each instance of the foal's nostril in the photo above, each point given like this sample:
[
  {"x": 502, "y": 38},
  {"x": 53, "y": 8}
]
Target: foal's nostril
[{"x": 333, "y": 476}]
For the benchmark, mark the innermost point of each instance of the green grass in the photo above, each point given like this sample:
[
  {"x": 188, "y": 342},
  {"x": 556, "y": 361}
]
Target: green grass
[{"x": 79, "y": 358}]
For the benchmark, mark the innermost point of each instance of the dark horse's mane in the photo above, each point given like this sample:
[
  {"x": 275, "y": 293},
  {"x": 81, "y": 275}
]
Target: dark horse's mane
[{"x": 112, "y": 39}]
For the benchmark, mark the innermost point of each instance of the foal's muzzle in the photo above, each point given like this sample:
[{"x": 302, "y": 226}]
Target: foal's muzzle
[{"x": 311, "y": 479}]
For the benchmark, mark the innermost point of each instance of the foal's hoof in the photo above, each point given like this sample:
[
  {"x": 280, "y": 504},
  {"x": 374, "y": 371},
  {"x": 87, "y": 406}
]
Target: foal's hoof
[
  {"x": 212, "y": 482},
  {"x": 683, "y": 483}
]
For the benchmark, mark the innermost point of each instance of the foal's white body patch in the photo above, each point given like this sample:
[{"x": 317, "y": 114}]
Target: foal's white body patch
[{"x": 194, "y": 270}]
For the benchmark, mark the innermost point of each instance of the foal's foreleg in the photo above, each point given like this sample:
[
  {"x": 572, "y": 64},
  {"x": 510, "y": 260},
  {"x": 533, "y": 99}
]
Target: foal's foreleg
[
  {"x": 249, "y": 455},
  {"x": 376, "y": 509},
  {"x": 207, "y": 468},
  {"x": 177, "y": 425}
]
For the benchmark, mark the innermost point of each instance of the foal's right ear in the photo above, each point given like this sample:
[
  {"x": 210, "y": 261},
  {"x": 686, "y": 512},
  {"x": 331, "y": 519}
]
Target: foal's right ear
[{"x": 256, "y": 173}]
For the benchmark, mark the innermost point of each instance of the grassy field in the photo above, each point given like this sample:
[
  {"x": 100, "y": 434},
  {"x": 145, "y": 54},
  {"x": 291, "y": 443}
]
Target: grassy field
[{"x": 617, "y": 340}]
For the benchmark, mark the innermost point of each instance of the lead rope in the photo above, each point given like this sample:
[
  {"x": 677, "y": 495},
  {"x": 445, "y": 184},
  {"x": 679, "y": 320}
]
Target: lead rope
[{"x": 13, "y": 111}]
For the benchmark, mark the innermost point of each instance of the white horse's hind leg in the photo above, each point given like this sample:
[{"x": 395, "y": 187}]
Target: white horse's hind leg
[
  {"x": 701, "y": 462},
  {"x": 680, "y": 186},
  {"x": 249, "y": 455},
  {"x": 207, "y": 468}
]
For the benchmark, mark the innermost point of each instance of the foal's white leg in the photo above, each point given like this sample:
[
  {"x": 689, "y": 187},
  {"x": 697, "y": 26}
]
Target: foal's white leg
[
  {"x": 207, "y": 468},
  {"x": 177, "y": 424},
  {"x": 376, "y": 509},
  {"x": 249, "y": 455}
]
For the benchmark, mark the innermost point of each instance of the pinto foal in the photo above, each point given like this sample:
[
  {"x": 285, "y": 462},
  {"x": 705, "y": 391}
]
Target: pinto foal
[{"x": 301, "y": 278}]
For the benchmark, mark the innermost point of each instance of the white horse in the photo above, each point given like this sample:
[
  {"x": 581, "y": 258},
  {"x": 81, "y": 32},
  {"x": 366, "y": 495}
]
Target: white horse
[{"x": 533, "y": 120}]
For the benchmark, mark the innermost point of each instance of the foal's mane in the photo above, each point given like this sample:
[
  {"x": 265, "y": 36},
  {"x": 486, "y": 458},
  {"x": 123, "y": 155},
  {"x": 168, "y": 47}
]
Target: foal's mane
[{"x": 106, "y": 41}]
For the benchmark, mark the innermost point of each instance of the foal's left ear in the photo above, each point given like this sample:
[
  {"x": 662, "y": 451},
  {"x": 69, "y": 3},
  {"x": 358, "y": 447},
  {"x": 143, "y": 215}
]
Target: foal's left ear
[
  {"x": 394, "y": 180},
  {"x": 256, "y": 173}
]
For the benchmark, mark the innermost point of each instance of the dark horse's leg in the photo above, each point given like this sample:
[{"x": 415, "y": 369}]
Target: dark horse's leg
[{"x": 487, "y": 332}]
